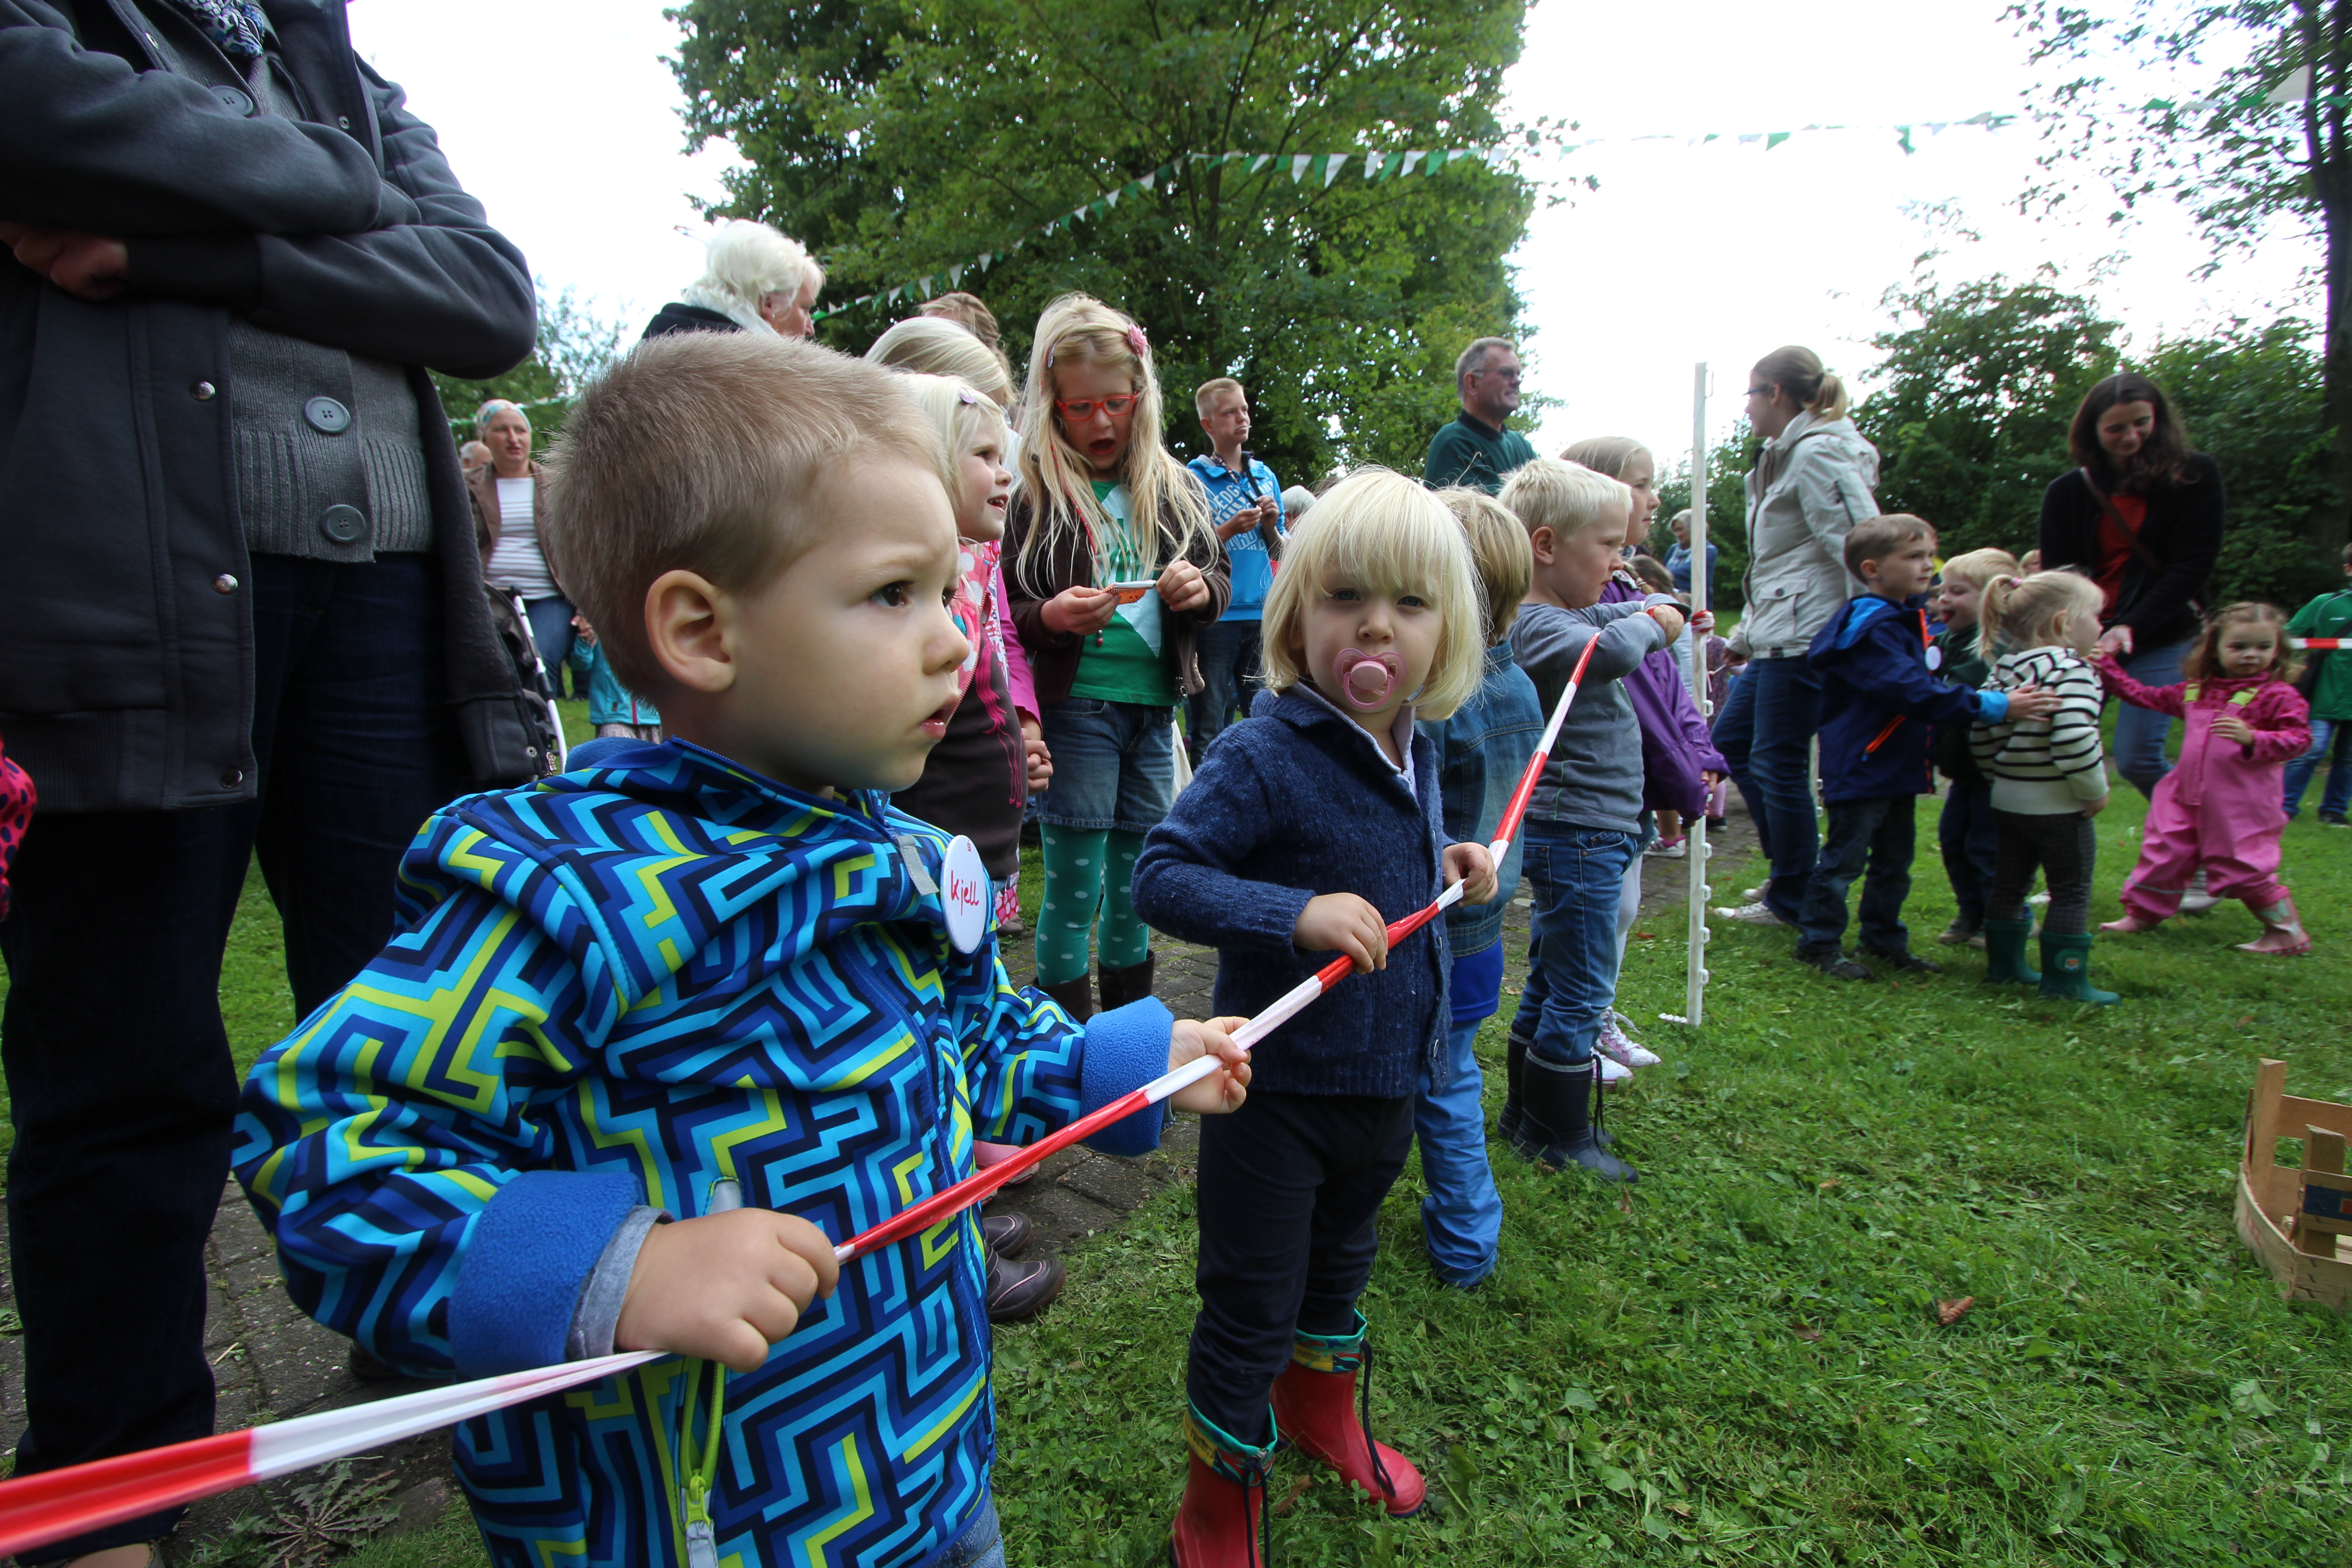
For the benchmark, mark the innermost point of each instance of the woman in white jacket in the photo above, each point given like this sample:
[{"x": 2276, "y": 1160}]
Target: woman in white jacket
[{"x": 1811, "y": 485}]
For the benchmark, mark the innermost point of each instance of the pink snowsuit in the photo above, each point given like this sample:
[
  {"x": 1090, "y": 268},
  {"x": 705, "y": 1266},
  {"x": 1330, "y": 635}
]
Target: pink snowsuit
[{"x": 2220, "y": 807}]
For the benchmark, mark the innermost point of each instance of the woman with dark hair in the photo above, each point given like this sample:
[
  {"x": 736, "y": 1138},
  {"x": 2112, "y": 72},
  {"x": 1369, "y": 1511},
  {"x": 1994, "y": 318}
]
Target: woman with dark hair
[{"x": 2142, "y": 515}]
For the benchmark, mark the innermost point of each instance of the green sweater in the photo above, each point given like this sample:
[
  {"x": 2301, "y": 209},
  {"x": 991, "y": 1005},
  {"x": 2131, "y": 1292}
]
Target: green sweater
[
  {"x": 1471, "y": 452},
  {"x": 2328, "y": 615}
]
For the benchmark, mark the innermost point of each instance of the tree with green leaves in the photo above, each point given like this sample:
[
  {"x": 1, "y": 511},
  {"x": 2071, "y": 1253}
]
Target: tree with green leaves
[
  {"x": 2251, "y": 169},
  {"x": 894, "y": 140},
  {"x": 574, "y": 346}
]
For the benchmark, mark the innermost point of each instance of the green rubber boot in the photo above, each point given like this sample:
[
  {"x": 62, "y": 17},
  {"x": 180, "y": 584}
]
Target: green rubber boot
[
  {"x": 2005, "y": 952},
  {"x": 2066, "y": 970}
]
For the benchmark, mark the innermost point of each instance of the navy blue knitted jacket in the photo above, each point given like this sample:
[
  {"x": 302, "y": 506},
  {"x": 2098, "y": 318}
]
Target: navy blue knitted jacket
[{"x": 1294, "y": 801}]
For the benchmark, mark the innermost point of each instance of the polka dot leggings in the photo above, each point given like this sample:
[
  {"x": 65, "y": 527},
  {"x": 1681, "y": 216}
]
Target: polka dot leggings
[{"x": 1086, "y": 872}]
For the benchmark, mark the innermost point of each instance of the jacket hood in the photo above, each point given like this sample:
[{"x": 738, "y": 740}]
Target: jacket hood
[
  {"x": 1837, "y": 640},
  {"x": 676, "y": 818}
]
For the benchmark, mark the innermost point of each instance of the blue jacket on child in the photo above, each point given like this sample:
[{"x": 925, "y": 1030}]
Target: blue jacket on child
[
  {"x": 1295, "y": 802},
  {"x": 1482, "y": 751},
  {"x": 1881, "y": 701},
  {"x": 609, "y": 702}
]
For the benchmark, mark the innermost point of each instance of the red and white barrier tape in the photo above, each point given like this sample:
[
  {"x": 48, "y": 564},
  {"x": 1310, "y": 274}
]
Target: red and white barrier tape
[
  {"x": 2324, "y": 645},
  {"x": 79, "y": 1498}
]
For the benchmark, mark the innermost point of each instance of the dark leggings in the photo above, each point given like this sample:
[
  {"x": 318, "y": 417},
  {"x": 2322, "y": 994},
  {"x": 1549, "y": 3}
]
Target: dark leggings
[{"x": 2062, "y": 844}]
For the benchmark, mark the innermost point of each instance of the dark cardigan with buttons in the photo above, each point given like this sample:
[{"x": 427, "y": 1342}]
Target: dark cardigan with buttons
[{"x": 1291, "y": 803}]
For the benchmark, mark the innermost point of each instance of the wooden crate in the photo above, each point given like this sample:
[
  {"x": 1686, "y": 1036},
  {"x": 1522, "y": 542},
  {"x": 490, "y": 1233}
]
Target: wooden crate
[{"x": 2290, "y": 1217}]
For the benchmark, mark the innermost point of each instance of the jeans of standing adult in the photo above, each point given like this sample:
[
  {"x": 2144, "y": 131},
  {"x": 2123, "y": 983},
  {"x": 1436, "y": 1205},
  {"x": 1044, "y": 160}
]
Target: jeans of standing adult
[
  {"x": 1228, "y": 652},
  {"x": 2141, "y": 733},
  {"x": 1765, "y": 734},
  {"x": 550, "y": 629},
  {"x": 123, "y": 1091},
  {"x": 2338, "y": 797}
]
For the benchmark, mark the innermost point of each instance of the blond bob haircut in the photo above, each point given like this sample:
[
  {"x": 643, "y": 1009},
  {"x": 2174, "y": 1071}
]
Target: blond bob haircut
[
  {"x": 1877, "y": 538},
  {"x": 936, "y": 347},
  {"x": 1500, "y": 549},
  {"x": 1075, "y": 330},
  {"x": 962, "y": 418},
  {"x": 1979, "y": 567},
  {"x": 1565, "y": 497},
  {"x": 2020, "y": 613},
  {"x": 751, "y": 425},
  {"x": 1380, "y": 530},
  {"x": 1206, "y": 392}
]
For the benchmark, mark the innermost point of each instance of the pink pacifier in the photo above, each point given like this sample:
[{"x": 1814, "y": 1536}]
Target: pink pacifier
[{"x": 1365, "y": 680}]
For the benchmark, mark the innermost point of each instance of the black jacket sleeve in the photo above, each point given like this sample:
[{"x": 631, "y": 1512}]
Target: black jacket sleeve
[{"x": 2063, "y": 538}]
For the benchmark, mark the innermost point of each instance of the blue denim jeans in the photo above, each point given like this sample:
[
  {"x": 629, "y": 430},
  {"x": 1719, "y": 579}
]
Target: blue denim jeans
[
  {"x": 1462, "y": 1217},
  {"x": 1114, "y": 765},
  {"x": 1882, "y": 833},
  {"x": 982, "y": 1545},
  {"x": 1765, "y": 734},
  {"x": 1575, "y": 874},
  {"x": 2337, "y": 798},
  {"x": 1966, "y": 835},
  {"x": 551, "y": 631},
  {"x": 2140, "y": 732},
  {"x": 1228, "y": 655}
]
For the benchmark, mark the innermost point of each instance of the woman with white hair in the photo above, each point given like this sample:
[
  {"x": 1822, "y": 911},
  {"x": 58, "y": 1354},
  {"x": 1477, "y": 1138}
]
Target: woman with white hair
[{"x": 753, "y": 279}]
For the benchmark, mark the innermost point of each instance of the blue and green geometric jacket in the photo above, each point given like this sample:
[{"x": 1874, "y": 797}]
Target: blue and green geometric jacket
[{"x": 618, "y": 988}]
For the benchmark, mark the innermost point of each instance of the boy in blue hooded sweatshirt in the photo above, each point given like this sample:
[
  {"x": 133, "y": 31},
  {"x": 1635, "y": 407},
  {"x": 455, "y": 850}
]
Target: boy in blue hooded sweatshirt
[
  {"x": 1882, "y": 696},
  {"x": 654, "y": 1035}
]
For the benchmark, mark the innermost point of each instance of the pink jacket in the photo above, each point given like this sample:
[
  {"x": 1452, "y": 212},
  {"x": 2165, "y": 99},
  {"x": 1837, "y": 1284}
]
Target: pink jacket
[{"x": 2210, "y": 766}]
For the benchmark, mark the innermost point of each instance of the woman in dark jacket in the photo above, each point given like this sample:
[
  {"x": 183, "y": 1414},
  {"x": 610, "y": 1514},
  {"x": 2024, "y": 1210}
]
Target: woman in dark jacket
[{"x": 2142, "y": 513}]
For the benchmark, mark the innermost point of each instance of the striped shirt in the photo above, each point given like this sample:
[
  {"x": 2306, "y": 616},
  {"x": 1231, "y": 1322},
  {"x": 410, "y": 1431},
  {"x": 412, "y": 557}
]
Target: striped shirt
[{"x": 2045, "y": 767}]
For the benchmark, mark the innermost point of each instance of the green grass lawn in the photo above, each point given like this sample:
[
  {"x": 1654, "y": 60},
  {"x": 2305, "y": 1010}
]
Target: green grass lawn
[{"x": 1737, "y": 1362}]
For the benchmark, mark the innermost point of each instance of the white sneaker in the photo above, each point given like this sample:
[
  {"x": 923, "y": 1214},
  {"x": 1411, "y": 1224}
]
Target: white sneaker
[
  {"x": 1754, "y": 895},
  {"x": 1755, "y": 914},
  {"x": 1623, "y": 1048},
  {"x": 2038, "y": 898},
  {"x": 2197, "y": 901},
  {"x": 1612, "y": 1072},
  {"x": 1668, "y": 849}
]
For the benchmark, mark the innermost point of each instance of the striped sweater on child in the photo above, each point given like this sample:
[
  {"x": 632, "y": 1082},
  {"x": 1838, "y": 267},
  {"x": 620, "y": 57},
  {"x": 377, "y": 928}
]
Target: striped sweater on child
[{"x": 2043, "y": 767}]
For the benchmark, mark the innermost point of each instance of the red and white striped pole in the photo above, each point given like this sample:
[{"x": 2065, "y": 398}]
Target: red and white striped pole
[{"x": 78, "y": 1499}]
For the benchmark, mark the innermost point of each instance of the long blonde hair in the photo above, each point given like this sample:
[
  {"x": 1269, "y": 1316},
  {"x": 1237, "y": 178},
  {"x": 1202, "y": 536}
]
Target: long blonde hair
[
  {"x": 1381, "y": 531},
  {"x": 2020, "y": 613},
  {"x": 959, "y": 412},
  {"x": 1078, "y": 329}
]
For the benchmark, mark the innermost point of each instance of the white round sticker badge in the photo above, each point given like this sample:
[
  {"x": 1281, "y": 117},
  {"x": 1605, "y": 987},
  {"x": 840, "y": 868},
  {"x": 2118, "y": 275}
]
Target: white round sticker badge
[
  {"x": 1934, "y": 657},
  {"x": 964, "y": 895}
]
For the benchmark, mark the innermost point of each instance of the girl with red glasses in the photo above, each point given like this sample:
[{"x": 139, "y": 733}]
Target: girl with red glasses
[{"x": 1111, "y": 565}]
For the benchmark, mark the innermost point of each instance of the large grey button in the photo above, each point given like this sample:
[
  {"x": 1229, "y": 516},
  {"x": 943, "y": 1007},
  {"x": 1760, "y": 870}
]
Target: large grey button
[
  {"x": 327, "y": 416},
  {"x": 233, "y": 100},
  {"x": 344, "y": 524},
  {"x": 202, "y": 391}
]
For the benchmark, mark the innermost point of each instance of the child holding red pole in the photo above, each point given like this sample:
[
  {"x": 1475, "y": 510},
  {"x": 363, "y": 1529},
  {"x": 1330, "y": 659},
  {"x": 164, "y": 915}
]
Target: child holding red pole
[
  {"x": 1309, "y": 826},
  {"x": 722, "y": 981}
]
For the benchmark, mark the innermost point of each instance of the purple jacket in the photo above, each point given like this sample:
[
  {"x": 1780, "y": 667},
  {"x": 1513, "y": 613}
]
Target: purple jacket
[{"x": 1675, "y": 746}]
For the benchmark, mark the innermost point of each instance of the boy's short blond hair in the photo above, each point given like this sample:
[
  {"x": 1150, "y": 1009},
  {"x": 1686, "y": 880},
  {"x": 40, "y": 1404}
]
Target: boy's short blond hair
[
  {"x": 1877, "y": 538},
  {"x": 1979, "y": 567},
  {"x": 1498, "y": 549},
  {"x": 1206, "y": 393},
  {"x": 1565, "y": 497},
  {"x": 1380, "y": 530},
  {"x": 698, "y": 452}
]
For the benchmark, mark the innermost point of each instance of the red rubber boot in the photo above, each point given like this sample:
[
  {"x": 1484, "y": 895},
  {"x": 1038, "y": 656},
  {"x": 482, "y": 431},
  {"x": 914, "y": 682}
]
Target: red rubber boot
[
  {"x": 1218, "y": 1523},
  {"x": 1315, "y": 1408}
]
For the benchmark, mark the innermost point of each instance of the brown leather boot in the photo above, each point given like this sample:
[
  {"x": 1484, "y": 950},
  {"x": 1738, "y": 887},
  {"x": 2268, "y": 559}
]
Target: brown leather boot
[
  {"x": 1120, "y": 986},
  {"x": 1077, "y": 998}
]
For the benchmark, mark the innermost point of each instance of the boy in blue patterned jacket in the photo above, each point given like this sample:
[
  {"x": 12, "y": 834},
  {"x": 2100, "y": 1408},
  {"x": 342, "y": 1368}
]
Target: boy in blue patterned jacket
[{"x": 713, "y": 973}]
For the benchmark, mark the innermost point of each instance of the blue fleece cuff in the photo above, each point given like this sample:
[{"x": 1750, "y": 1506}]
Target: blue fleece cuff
[
  {"x": 530, "y": 1252},
  {"x": 1125, "y": 1049},
  {"x": 1992, "y": 705}
]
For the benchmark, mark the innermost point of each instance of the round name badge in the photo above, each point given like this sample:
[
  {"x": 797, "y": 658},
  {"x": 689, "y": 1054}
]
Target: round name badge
[
  {"x": 1935, "y": 658},
  {"x": 964, "y": 895}
]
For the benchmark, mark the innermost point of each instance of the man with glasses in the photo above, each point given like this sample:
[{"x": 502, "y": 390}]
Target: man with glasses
[{"x": 1474, "y": 449}]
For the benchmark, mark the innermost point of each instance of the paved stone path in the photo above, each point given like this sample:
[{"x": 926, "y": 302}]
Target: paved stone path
[{"x": 271, "y": 1361}]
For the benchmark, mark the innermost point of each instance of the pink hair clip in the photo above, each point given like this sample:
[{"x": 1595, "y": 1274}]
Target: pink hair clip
[
  {"x": 1137, "y": 340},
  {"x": 968, "y": 397}
]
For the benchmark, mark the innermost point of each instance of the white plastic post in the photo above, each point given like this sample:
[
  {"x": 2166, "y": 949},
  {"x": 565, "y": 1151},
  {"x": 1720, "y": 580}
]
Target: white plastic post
[{"x": 1694, "y": 974}]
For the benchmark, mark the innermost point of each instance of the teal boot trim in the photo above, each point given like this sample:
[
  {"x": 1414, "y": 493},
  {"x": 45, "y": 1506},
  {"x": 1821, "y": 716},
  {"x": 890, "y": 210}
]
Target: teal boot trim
[
  {"x": 1332, "y": 1352},
  {"x": 1231, "y": 1459},
  {"x": 2066, "y": 971},
  {"x": 2005, "y": 952}
]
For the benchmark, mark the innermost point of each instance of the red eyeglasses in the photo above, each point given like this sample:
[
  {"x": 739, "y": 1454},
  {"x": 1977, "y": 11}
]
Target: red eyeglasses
[{"x": 1079, "y": 409}]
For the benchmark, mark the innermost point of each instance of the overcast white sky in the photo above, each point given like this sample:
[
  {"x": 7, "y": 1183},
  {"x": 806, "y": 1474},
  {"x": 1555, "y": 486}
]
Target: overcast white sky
[{"x": 560, "y": 115}]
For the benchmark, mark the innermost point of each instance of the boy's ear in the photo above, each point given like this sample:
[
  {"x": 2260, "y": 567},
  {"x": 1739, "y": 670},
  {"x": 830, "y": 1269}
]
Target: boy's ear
[
  {"x": 1544, "y": 543},
  {"x": 689, "y": 627}
]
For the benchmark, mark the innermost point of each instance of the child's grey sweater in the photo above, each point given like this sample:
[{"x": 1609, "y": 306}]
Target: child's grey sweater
[{"x": 1594, "y": 776}]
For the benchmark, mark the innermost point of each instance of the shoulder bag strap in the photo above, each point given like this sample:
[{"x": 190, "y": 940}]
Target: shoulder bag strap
[{"x": 2147, "y": 557}]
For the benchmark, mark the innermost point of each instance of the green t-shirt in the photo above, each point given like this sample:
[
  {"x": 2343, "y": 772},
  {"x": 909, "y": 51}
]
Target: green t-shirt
[
  {"x": 2328, "y": 615},
  {"x": 1128, "y": 660}
]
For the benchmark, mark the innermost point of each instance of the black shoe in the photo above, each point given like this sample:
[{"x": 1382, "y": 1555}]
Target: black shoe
[
  {"x": 1834, "y": 965},
  {"x": 1019, "y": 1292},
  {"x": 1006, "y": 1234},
  {"x": 2334, "y": 819},
  {"x": 1556, "y": 1122},
  {"x": 1714, "y": 825},
  {"x": 1906, "y": 960}
]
